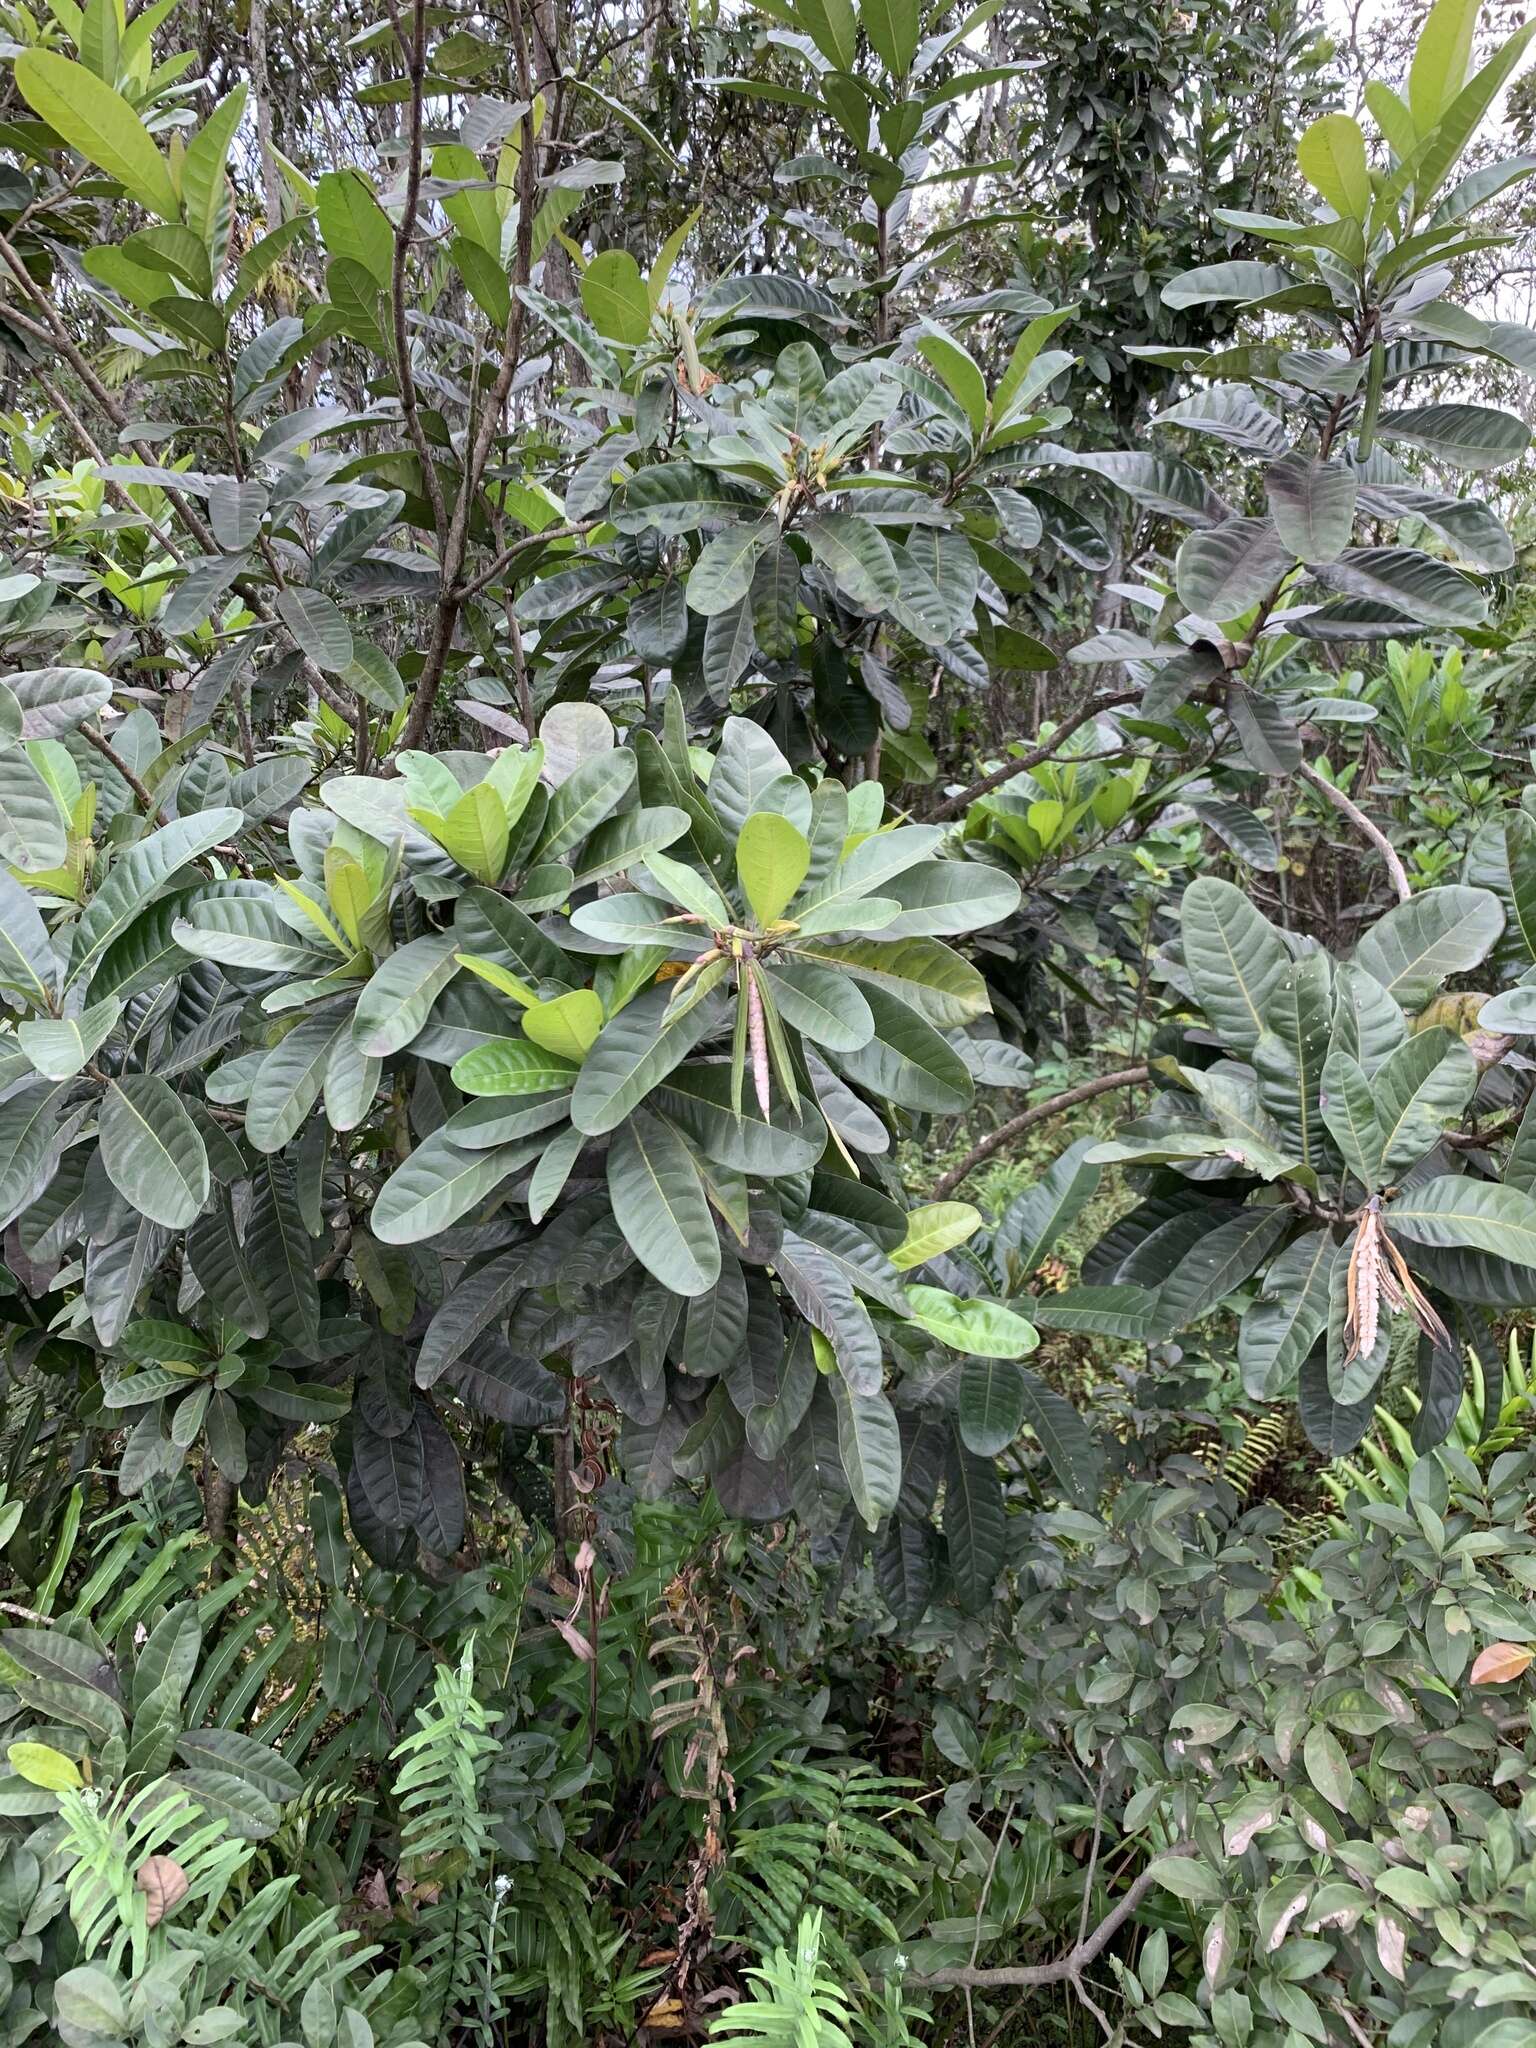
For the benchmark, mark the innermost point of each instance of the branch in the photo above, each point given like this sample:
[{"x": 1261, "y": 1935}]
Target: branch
[
  {"x": 1066, "y": 1967},
  {"x": 952, "y": 806},
  {"x": 1362, "y": 825},
  {"x": 415, "y": 51},
  {"x": 108, "y": 752},
  {"x": 454, "y": 545},
  {"x": 1124, "y": 1077}
]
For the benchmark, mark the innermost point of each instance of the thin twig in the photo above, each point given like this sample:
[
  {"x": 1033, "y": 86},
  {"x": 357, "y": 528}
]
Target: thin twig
[
  {"x": 952, "y": 806},
  {"x": 1065, "y": 1968},
  {"x": 108, "y": 752},
  {"x": 1123, "y": 1077},
  {"x": 1362, "y": 824}
]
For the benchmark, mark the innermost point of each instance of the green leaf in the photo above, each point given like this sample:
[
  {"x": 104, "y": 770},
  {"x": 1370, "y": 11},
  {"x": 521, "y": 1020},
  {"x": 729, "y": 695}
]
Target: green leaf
[
  {"x": 27, "y": 962},
  {"x": 660, "y": 1205},
  {"x": 833, "y": 27},
  {"x": 820, "y": 1003},
  {"x": 936, "y": 1228},
  {"x": 633, "y": 1054},
  {"x": 153, "y": 1152},
  {"x": 1464, "y": 116},
  {"x": 1429, "y": 592},
  {"x": 53, "y": 701},
  {"x": 722, "y": 575},
  {"x": 439, "y": 1183},
  {"x": 474, "y": 832},
  {"x": 1222, "y": 1260},
  {"x": 1417, "y": 945},
  {"x": 395, "y": 1004},
  {"x": 1065, "y": 1437},
  {"x": 511, "y": 1066},
  {"x": 98, "y": 122},
  {"x": 1420, "y": 1091},
  {"x": 1461, "y": 436},
  {"x": 1035, "y": 1219},
  {"x": 772, "y": 860},
  {"x": 820, "y": 1287},
  {"x": 46, "y": 1768},
  {"x": 1279, "y": 1331},
  {"x": 243, "y": 1756},
  {"x": 1451, "y": 1210},
  {"x": 907, "y": 1062},
  {"x": 990, "y": 1409},
  {"x": 32, "y": 832},
  {"x": 354, "y": 226},
  {"x": 1332, "y": 158},
  {"x": 1312, "y": 504},
  {"x": 981, "y": 1329},
  {"x": 593, "y": 791},
  {"x": 139, "y": 874},
  {"x": 1349, "y": 1111},
  {"x": 855, "y": 554},
  {"x": 894, "y": 28},
  {"x": 289, "y": 1080},
  {"x": 614, "y": 294},
  {"x": 89, "y": 2000},
  {"x": 1235, "y": 958},
  {"x": 975, "y": 1527},
  {"x": 317, "y": 626},
  {"x": 566, "y": 1025},
  {"x": 697, "y": 1098},
  {"x": 203, "y": 187},
  {"x": 60, "y": 1047},
  {"x": 1214, "y": 282},
  {"x": 1325, "y": 1761},
  {"x": 1222, "y": 571},
  {"x": 1441, "y": 60},
  {"x": 869, "y": 1443},
  {"x": 960, "y": 371}
]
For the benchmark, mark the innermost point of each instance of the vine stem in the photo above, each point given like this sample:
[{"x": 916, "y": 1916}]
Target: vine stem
[
  {"x": 1362, "y": 824},
  {"x": 1123, "y": 1077}
]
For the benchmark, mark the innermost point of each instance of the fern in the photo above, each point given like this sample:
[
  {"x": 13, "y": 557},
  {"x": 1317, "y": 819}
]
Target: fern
[
  {"x": 811, "y": 1838},
  {"x": 438, "y": 1784},
  {"x": 445, "y": 1839},
  {"x": 794, "y": 2004},
  {"x": 108, "y": 1841}
]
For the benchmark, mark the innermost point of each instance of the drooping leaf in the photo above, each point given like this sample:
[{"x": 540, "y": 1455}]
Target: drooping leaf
[{"x": 153, "y": 1152}]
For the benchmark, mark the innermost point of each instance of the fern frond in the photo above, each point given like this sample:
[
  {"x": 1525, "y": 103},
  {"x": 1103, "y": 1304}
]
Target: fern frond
[
  {"x": 793, "y": 2004},
  {"x": 815, "y": 1840},
  {"x": 438, "y": 1784}
]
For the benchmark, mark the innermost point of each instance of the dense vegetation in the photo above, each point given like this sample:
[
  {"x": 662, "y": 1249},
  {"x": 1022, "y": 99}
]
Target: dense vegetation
[{"x": 767, "y": 958}]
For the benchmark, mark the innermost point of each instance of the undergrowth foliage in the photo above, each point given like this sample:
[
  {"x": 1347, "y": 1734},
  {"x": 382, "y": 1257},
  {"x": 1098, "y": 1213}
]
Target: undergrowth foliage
[{"x": 608, "y": 696}]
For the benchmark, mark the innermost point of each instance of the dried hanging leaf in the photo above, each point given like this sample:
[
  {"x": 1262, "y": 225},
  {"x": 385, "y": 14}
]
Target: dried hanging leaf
[{"x": 164, "y": 1884}]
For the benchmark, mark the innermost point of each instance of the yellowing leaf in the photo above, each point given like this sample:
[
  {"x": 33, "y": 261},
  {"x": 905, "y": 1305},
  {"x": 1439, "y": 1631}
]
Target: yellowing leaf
[
  {"x": 49, "y": 1769},
  {"x": 98, "y": 122},
  {"x": 567, "y": 1026},
  {"x": 493, "y": 972},
  {"x": 1332, "y": 159},
  {"x": 936, "y": 1227},
  {"x": 772, "y": 859},
  {"x": 474, "y": 833},
  {"x": 614, "y": 294},
  {"x": 314, "y": 914}
]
